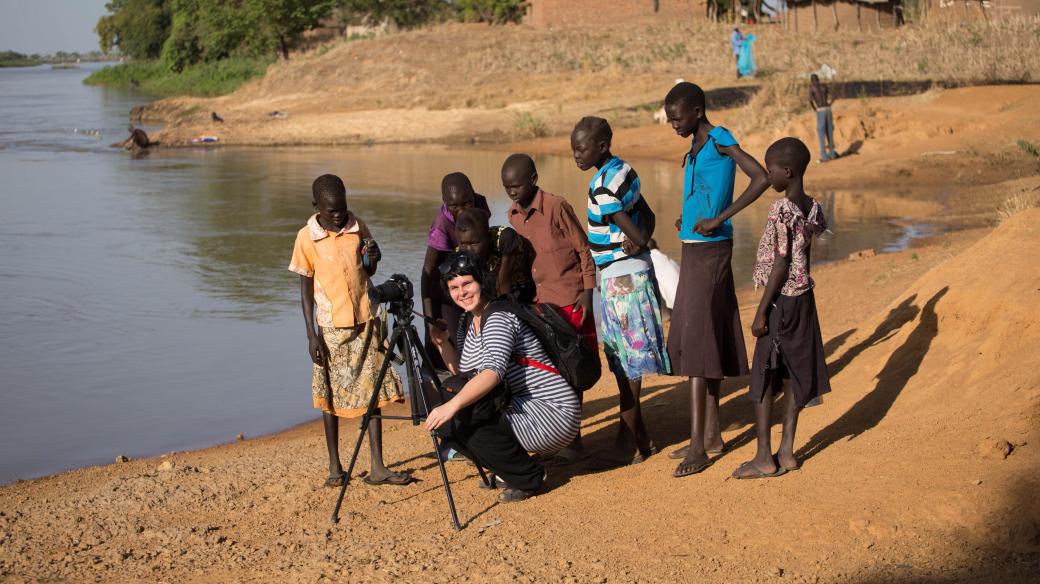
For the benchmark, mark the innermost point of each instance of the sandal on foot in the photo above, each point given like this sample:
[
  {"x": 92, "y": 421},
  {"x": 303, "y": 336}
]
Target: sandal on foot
[
  {"x": 680, "y": 453},
  {"x": 399, "y": 479},
  {"x": 686, "y": 469},
  {"x": 756, "y": 473},
  {"x": 716, "y": 452},
  {"x": 642, "y": 455},
  {"x": 336, "y": 481}
]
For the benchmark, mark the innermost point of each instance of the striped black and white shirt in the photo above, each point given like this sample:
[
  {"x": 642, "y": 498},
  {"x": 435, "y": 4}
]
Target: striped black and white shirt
[{"x": 544, "y": 411}]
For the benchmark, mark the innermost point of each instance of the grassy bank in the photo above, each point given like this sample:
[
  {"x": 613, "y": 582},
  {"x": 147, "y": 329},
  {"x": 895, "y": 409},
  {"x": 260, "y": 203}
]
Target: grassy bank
[{"x": 204, "y": 80}]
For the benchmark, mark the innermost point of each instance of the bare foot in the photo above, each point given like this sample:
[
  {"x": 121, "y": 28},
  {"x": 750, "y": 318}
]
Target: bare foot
[
  {"x": 690, "y": 466},
  {"x": 788, "y": 461},
  {"x": 385, "y": 476},
  {"x": 756, "y": 469}
]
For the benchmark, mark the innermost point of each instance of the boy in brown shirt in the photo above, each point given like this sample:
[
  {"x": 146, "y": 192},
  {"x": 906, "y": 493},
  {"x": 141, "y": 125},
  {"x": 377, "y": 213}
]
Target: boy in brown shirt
[{"x": 563, "y": 271}]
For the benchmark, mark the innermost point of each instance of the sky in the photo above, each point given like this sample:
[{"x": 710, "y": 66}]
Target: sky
[{"x": 46, "y": 26}]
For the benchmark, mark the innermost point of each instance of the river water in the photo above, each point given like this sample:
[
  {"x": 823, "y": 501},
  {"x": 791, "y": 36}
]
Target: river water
[{"x": 146, "y": 305}]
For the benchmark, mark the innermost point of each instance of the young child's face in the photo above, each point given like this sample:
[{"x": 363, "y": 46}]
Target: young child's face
[
  {"x": 474, "y": 241},
  {"x": 458, "y": 199},
  {"x": 683, "y": 118},
  {"x": 587, "y": 151},
  {"x": 779, "y": 176},
  {"x": 520, "y": 186},
  {"x": 332, "y": 211}
]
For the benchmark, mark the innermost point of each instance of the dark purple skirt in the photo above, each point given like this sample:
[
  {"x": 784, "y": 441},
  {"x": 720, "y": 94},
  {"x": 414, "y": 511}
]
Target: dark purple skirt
[
  {"x": 705, "y": 338},
  {"x": 792, "y": 349}
]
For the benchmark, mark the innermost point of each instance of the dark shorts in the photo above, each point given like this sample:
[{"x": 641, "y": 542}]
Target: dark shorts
[
  {"x": 705, "y": 338},
  {"x": 791, "y": 350}
]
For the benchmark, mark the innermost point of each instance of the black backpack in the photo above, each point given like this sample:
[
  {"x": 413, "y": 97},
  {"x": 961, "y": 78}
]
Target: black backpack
[{"x": 570, "y": 354}]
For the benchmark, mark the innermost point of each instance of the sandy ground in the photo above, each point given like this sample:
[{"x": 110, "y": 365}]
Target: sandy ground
[{"x": 922, "y": 465}]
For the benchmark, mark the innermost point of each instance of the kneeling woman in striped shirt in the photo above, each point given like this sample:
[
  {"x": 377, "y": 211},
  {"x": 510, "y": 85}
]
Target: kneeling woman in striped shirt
[{"x": 542, "y": 413}]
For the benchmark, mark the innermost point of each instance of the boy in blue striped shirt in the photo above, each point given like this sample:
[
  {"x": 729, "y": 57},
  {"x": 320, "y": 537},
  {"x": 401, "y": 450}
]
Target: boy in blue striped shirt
[{"x": 620, "y": 225}]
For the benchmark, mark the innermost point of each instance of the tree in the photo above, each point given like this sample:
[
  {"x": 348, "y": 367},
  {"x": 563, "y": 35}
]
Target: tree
[
  {"x": 284, "y": 21},
  {"x": 492, "y": 11},
  {"x": 137, "y": 27}
]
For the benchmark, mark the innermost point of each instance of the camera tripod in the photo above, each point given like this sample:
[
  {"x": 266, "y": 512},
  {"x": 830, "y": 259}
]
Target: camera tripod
[{"x": 406, "y": 339}]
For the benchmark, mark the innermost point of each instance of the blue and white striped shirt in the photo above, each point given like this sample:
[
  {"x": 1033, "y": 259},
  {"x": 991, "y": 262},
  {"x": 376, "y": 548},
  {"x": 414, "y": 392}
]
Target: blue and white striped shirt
[{"x": 613, "y": 189}]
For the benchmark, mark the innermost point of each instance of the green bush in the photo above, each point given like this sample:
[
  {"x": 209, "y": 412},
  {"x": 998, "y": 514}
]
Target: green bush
[
  {"x": 203, "y": 80},
  {"x": 493, "y": 11}
]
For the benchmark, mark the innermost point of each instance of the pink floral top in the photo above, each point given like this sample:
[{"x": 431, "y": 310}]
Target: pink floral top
[{"x": 788, "y": 231}]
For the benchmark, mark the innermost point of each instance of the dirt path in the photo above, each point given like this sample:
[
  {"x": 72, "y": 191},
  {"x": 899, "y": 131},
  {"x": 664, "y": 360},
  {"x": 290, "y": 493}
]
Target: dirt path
[{"x": 907, "y": 473}]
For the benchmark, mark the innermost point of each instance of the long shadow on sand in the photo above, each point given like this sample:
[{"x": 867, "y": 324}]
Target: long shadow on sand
[{"x": 893, "y": 377}]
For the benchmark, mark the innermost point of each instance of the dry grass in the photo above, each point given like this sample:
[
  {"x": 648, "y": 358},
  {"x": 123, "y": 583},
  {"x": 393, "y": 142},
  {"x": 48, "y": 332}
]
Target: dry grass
[
  {"x": 476, "y": 66},
  {"x": 779, "y": 98},
  {"x": 1018, "y": 202}
]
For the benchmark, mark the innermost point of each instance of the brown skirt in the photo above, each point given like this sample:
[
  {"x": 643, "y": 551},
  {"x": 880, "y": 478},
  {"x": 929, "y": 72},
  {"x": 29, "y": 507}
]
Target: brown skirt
[
  {"x": 792, "y": 349},
  {"x": 705, "y": 339}
]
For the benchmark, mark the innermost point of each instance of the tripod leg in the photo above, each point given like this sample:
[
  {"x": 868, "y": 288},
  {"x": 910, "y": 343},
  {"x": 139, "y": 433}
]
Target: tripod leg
[
  {"x": 447, "y": 485},
  {"x": 365, "y": 420},
  {"x": 414, "y": 372}
]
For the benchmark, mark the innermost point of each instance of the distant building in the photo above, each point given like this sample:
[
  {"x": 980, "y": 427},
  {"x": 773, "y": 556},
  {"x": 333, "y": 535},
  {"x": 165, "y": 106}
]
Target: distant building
[{"x": 800, "y": 15}]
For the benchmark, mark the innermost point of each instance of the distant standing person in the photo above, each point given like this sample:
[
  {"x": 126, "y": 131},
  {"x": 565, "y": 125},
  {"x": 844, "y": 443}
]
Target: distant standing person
[
  {"x": 335, "y": 256},
  {"x": 820, "y": 98},
  {"x": 736, "y": 40},
  {"x": 457, "y": 195},
  {"x": 746, "y": 66},
  {"x": 563, "y": 271}
]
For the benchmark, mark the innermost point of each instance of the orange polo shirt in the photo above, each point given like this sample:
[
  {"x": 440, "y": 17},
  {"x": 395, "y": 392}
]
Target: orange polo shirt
[{"x": 333, "y": 259}]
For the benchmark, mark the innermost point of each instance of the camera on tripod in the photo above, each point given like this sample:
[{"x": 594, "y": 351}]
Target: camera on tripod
[{"x": 397, "y": 288}]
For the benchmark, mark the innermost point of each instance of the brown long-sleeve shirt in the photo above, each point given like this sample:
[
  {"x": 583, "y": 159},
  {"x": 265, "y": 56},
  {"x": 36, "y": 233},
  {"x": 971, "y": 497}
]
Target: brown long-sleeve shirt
[{"x": 562, "y": 266}]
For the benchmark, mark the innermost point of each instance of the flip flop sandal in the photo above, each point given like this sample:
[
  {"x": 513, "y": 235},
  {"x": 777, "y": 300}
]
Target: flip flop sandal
[
  {"x": 717, "y": 452},
  {"x": 780, "y": 471},
  {"x": 681, "y": 453},
  {"x": 691, "y": 470},
  {"x": 336, "y": 481},
  {"x": 393, "y": 479},
  {"x": 641, "y": 456}
]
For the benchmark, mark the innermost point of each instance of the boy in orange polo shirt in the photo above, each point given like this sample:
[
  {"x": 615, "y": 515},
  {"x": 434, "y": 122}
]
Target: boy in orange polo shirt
[{"x": 335, "y": 255}]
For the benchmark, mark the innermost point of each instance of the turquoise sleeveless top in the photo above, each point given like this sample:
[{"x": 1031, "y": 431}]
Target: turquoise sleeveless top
[{"x": 708, "y": 186}]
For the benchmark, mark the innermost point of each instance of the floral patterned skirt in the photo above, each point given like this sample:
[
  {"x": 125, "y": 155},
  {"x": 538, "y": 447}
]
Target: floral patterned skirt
[
  {"x": 354, "y": 363},
  {"x": 633, "y": 336}
]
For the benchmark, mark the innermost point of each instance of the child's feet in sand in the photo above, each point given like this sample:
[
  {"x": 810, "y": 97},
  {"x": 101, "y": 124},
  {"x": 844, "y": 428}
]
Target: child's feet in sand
[
  {"x": 691, "y": 466},
  {"x": 711, "y": 448},
  {"x": 753, "y": 469},
  {"x": 387, "y": 477},
  {"x": 788, "y": 461}
]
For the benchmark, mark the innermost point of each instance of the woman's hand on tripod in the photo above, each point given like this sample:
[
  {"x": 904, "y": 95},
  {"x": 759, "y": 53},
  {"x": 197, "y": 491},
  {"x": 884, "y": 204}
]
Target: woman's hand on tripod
[{"x": 440, "y": 415}]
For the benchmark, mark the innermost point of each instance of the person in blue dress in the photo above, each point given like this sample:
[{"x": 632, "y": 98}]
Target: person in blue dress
[{"x": 706, "y": 342}]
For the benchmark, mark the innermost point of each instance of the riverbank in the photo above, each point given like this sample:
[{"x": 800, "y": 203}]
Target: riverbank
[
  {"x": 921, "y": 465},
  {"x": 520, "y": 87}
]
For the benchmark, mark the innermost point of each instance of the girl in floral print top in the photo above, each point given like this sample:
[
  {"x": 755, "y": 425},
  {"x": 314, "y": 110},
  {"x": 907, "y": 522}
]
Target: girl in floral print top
[
  {"x": 789, "y": 354},
  {"x": 789, "y": 232}
]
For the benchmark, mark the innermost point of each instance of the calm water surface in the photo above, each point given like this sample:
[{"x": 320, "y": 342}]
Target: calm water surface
[{"x": 146, "y": 304}]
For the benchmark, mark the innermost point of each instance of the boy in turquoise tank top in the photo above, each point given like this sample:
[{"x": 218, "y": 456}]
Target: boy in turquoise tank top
[{"x": 706, "y": 341}]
